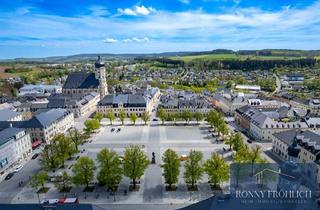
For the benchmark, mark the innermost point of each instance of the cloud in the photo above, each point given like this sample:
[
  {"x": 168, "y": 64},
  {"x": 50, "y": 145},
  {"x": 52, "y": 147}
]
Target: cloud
[
  {"x": 137, "y": 11},
  {"x": 135, "y": 39},
  {"x": 99, "y": 11},
  {"x": 110, "y": 40}
]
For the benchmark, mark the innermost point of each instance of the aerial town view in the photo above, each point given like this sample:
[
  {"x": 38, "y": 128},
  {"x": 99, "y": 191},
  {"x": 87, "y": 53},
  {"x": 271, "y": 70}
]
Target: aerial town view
[{"x": 159, "y": 105}]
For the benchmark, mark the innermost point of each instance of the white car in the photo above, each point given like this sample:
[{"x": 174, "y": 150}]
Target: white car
[{"x": 18, "y": 168}]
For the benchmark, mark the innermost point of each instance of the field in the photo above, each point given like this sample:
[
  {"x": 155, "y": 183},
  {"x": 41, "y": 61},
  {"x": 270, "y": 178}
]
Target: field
[
  {"x": 4, "y": 74},
  {"x": 216, "y": 57}
]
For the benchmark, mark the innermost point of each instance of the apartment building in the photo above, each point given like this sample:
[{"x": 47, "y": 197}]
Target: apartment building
[{"x": 15, "y": 146}]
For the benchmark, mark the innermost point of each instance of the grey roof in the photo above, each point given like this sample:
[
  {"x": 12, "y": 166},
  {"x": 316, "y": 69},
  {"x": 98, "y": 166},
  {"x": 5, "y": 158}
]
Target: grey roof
[
  {"x": 66, "y": 101},
  {"x": 288, "y": 136},
  {"x": 7, "y": 114},
  {"x": 8, "y": 133},
  {"x": 128, "y": 100},
  {"x": 81, "y": 80},
  {"x": 243, "y": 109}
]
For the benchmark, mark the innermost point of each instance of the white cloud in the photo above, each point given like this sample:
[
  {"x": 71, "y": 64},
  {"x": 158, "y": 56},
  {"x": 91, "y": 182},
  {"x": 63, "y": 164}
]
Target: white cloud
[
  {"x": 99, "y": 11},
  {"x": 135, "y": 39},
  {"x": 137, "y": 10},
  {"x": 110, "y": 40}
]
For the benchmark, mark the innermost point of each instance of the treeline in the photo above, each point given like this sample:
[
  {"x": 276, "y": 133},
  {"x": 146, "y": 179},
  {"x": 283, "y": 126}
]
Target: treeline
[{"x": 249, "y": 65}]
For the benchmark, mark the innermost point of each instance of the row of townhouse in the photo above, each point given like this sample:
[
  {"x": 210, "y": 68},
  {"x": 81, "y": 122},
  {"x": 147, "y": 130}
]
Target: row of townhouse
[
  {"x": 80, "y": 105},
  {"x": 260, "y": 126},
  {"x": 176, "y": 105},
  {"x": 302, "y": 147},
  {"x": 15, "y": 146},
  {"x": 44, "y": 126}
]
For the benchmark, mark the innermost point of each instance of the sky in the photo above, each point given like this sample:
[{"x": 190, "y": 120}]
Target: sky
[{"x": 41, "y": 28}]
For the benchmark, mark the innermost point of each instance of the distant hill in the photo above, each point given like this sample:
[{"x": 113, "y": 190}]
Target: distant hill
[{"x": 230, "y": 53}]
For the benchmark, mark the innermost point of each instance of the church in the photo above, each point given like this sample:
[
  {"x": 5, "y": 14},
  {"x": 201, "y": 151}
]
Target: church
[{"x": 82, "y": 83}]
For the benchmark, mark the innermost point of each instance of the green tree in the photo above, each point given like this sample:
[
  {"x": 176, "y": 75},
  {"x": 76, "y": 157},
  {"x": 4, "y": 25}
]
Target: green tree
[
  {"x": 122, "y": 116},
  {"x": 223, "y": 129},
  {"x": 98, "y": 116},
  {"x": 49, "y": 158},
  {"x": 193, "y": 168},
  {"x": 186, "y": 116},
  {"x": 162, "y": 115},
  {"x": 64, "y": 147},
  {"x": 135, "y": 163},
  {"x": 63, "y": 182},
  {"x": 133, "y": 118},
  {"x": 171, "y": 164},
  {"x": 91, "y": 125},
  {"x": 111, "y": 117},
  {"x": 237, "y": 142},
  {"x": 145, "y": 117},
  {"x": 76, "y": 137},
  {"x": 39, "y": 180},
  {"x": 217, "y": 169},
  {"x": 83, "y": 171},
  {"x": 198, "y": 116},
  {"x": 111, "y": 171}
]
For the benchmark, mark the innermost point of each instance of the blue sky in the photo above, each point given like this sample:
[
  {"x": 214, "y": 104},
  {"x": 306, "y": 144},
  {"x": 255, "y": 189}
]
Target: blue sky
[{"x": 40, "y": 28}]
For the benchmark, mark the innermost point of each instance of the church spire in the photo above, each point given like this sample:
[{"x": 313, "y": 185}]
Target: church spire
[{"x": 101, "y": 75}]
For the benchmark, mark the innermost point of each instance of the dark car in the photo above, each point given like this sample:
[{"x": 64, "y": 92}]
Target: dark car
[
  {"x": 35, "y": 156},
  {"x": 119, "y": 129},
  {"x": 249, "y": 141},
  {"x": 9, "y": 176},
  {"x": 112, "y": 129},
  {"x": 155, "y": 119}
]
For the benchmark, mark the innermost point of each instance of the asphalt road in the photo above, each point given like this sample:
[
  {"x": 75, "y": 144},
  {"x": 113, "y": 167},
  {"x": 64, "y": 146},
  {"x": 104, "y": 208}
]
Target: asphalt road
[{"x": 10, "y": 188}]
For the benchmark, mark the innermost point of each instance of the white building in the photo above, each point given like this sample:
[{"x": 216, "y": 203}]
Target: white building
[
  {"x": 15, "y": 146},
  {"x": 40, "y": 89}
]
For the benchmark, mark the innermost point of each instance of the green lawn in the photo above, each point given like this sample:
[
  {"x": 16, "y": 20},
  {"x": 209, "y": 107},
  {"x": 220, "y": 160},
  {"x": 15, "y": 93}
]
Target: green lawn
[{"x": 215, "y": 57}]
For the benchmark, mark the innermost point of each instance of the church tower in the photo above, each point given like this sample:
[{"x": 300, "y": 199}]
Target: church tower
[{"x": 100, "y": 73}]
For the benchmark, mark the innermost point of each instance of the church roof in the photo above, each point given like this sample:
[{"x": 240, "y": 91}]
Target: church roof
[{"x": 81, "y": 80}]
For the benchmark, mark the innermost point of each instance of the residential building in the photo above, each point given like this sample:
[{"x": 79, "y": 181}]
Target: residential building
[
  {"x": 129, "y": 103},
  {"x": 15, "y": 146},
  {"x": 44, "y": 126},
  {"x": 179, "y": 105},
  {"x": 293, "y": 78},
  {"x": 80, "y": 105},
  {"x": 10, "y": 115},
  {"x": 301, "y": 147},
  {"x": 253, "y": 88},
  {"x": 39, "y": 89}
]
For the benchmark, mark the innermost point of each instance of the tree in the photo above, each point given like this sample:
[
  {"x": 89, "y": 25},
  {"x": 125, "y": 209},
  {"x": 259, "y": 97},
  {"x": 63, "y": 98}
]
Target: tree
[
  {"x": 223, "y": 129},
  {"x": 64, "y": 147},
  {"x": 186, "y": 115},
  {"x": 162, "y": 115},
  {"x": 63, "y": 182},
  {"x": 237, "y": 142},
  {"x": 171, "y": 164},
  {"x": 145, "y": 117},
  {"x": 198, "y": 116},
  {"x": 91, "y": 125},
  {"x": 111, "y": 171},
  {"x": 193, "y": 168},
  {"x": 217, "y": 169},
  {"x": 135, "y": 163},
  {"x": 49, "y": 158},
  {"x": 98, "y": 116},
  {"x": 133, "y": 118},
  {"x": 122, "y": 116},
  {"x": 111, "y": 117},
  {"x": 39, "y": 180},
  {"x": 76, "y": 137},
  {"x": 254, "y": 156},
  {"x": 83, "y": 171}
]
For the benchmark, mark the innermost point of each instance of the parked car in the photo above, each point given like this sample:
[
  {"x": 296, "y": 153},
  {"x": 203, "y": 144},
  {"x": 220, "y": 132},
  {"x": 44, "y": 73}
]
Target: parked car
[
  {"x": 35, "y": 156},
  {"x": 249, "y": 141},
  {"x": 18, "y": 168},
  {"x": 118, "y": 130},
  {"x": 9, "y": 176},
  {"x": 112, "y": 129}
]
